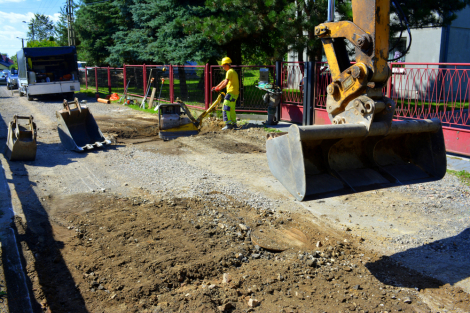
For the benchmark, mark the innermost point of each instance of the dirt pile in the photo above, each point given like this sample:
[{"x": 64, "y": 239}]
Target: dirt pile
[
  {"x": 211, "y": 124},
  {"x": 147, "y": 254},
  {"x": 131, "y": 127}
]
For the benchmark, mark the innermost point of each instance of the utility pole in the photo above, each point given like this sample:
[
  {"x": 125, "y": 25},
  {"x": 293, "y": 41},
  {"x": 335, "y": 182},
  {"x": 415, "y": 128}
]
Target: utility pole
[{"x": 70, "y": 30}]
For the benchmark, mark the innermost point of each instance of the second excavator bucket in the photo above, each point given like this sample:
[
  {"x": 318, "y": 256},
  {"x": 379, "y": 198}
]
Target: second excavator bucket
[
  {"x": 77, "y": 128},
  {"x": 21, "y": 141},
  {"x": 311, "y": 160}
]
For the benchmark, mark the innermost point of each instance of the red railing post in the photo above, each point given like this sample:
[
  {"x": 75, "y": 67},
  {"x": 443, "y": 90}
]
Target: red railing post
[
  {"x": 86, "y": 78},
  {"x": 109, "y": 80},
  {"x": 389, "y": 82},
  {"x": 210, "y": 84},
  {"x": 172, "y": 92},
  {"x": 144, "y": 72},
  {"x": 96, "y": 78},
  {"x": 206, "y": 86},
  {"x": 125, "y": 77}
]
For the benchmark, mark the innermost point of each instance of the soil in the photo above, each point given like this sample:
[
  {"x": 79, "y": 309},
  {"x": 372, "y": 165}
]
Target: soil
[
  {"x": 147, "y": 254},
  {"x": 126, "y": 247}
]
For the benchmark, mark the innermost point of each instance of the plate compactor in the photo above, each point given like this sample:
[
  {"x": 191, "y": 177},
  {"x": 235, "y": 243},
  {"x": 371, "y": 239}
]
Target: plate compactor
[
  {"x": 21, "y": 141},
  {"x": 77, "y": 128},
  {"x": 363, "y": 148},
  {"x": 175, "y": 120}
]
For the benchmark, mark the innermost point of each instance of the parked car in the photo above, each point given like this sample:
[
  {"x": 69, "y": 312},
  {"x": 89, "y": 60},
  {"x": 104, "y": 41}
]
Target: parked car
[
  {"x": 12, "y": 79},
  {"x": 3, "y": 76}
]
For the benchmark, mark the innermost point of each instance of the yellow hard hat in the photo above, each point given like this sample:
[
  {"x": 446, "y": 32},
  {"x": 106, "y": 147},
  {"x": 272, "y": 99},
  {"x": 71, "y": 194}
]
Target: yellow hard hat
[{"x": 226, "y": 60}]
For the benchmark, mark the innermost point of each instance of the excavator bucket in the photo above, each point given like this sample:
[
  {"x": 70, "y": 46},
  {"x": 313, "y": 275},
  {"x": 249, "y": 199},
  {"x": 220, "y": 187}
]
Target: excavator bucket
[
  {"x": 21, "y": 141},
  {"x": 77, "y": 128},
  {"x": 311, "y": 160}
]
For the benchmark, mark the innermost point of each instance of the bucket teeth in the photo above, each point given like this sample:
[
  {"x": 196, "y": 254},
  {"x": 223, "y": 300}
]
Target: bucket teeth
[{"x": 78, "y": 130}]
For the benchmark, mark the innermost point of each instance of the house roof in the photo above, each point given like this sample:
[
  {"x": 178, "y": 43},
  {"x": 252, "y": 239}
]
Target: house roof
[{"x": 5, "y": 61}]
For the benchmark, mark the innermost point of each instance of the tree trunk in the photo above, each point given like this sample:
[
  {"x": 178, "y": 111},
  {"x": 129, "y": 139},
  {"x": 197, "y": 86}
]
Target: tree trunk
[{"x": 234, "y": 51}]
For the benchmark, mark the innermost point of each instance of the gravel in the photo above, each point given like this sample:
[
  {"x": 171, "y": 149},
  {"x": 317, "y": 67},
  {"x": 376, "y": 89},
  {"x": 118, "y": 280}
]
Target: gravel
[{"x": 443, "y": 207}]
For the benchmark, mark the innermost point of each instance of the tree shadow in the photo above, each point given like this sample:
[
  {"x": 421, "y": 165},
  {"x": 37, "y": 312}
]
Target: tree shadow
[{"x": 432, "y": 265}]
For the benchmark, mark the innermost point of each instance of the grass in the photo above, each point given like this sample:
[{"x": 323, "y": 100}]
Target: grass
[
  {"x": 435, "y": 106},
  {"x": 463, "y": 175},
  {"x": 272, "y": 130},
  {"x": 138, "y": 108}
]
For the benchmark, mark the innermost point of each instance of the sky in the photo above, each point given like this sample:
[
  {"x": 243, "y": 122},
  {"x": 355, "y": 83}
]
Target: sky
[{"x": 12, "y": 15}]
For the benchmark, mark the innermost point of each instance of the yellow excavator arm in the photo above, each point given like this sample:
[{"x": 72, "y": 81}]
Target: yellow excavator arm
[
  {"x": 355, "y": 94},
  {"x": 364, "y": 148}
]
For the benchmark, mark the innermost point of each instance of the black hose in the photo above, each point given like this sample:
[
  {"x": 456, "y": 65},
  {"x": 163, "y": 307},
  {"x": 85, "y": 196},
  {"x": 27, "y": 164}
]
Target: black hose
[{"x": 404, "y": 20}]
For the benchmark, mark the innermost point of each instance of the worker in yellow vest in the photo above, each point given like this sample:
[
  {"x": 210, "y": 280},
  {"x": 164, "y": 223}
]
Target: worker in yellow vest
[{"x": 233, "y": 90}]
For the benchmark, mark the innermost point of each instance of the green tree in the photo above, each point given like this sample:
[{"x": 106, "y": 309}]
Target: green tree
[
  {"x": 15, "y": 60},
  {"x": 272, "y": 27},
  {"x": 152, "y": 34},
  {"x": 253, "y": 27},
  {"x": 258, "y": 31},
  {"x": 40, "y": 28},
  {"x": 42, "y": 43},
  {"x": 95, "y": 26}
]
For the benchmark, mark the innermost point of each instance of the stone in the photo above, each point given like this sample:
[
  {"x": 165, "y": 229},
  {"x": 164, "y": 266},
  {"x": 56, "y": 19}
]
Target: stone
[
  {"x": 310, "y": 262},
  {"x": 319, "y": 244},
  {"x": 407, "y": 300},
  {"x": 255, "y": 255},
  {"x": 253, "y": 303},
  {"x": 243, "y": 227},
  {"x": 226, "y": 278},
  {"x": 225, "y": 307}
]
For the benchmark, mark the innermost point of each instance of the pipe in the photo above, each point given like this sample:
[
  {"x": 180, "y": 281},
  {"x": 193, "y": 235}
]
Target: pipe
[
  {"x": 331, "y": 11},
  {"x": 103, "y": 100}
]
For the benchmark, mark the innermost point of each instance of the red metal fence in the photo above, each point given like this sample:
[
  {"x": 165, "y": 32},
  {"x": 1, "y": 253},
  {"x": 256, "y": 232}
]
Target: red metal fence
[
  {"x": 190, "y": 83},
  {"x": 421, "y": 90}
]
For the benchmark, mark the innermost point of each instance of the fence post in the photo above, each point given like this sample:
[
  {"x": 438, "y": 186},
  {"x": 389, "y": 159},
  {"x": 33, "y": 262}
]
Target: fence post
[
  {"x": 96, "y": 78},
  {"x": 125, "y": 77},
  {"x": 307, "y": 116},
  {"x": 210, "y": 84},
  {"x": 144, "y": 73},
  {"x": 172, "y": 92},
  {"x": 109, "y": 80},
  {"x": 279, "y": 84},
  {"x": 86, "y": 78},
  {"x": 207, "y": 87},
  {"x": 389, "y": 82}
]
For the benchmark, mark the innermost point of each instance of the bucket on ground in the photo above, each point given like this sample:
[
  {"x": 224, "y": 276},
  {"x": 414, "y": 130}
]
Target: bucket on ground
[
  {"x": 77, "y": 128},
  {"x": 21, "y": 141}
]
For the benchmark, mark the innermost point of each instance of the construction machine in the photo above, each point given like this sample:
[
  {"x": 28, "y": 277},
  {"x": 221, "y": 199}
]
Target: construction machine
[
  {"x": 364, "y": 148},
  {"x": 175, "y": 120},
  {"x": 77, "y": 128}
]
